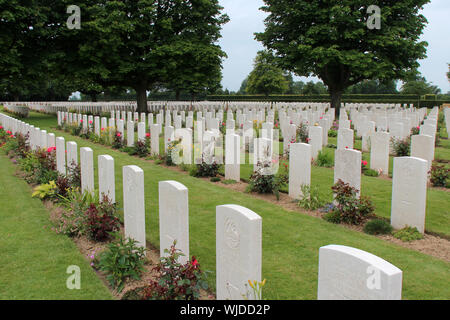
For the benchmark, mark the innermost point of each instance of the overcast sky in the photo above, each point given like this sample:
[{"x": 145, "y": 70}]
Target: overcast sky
[{"x": 246, "y": 18}]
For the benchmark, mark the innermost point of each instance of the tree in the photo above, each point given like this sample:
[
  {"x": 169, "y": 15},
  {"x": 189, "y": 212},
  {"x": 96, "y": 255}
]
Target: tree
[
  {"x": 331, "y": 40},
  {"x": 243, "y": 87},
  {"x": 420, "y": 87},
  {"x": 137, "y": 44},
  {"x": 373, "y": 87},
  {"x": 266, "y": 77},
  {"x": 314, "y": 88}
]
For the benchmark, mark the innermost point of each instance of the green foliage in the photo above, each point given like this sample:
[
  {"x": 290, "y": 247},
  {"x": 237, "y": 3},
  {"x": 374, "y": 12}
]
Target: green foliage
[
  {"x": 324, "y": 159},
  {"x": 206, "y": 170},
  {"x": 334, "y": 42},
  {"x": 420, "y": 87},
  {"x": 370, "y": 172},
  {"x": 377, "y": 226},
  {"x": 408, "y": 234},
  {"x": 45, "y": 191},
  {"x": 333, "y": 217},
  {"x": 263, "y": 181},
  {"x": 72, "y": 221},
  {"x": 302, "y": 133},
  {"x": 401, "y": 147},
  {"x": 122, "y": 260},
  {"x": 266, "y": 77},
  {"x": 332, "y": 133},
  {"x": 229, "y": 181},
  {"x": 176, "y": 281},
  {"x": 214, "y": 179},
  {"x": 351, "y": 210},
  {"x": 311, "y": 199},
  {"x": 39, "y": 167},
  {"x": 439, "y": 174},
  {"x": 101, "y": 220}
]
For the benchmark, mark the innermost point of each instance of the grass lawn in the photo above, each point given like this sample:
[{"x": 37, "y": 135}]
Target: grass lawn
[
  {"x": 291, "y": 241},
  {"x": 34, "y": 259}
]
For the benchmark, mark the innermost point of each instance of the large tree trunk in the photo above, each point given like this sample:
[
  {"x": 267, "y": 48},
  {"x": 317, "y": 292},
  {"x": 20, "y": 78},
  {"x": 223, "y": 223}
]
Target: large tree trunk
[
  {"x": 141, "y": 97},
  {"x": 177, "y": 94},
  {"x": 336, "y": 96}
]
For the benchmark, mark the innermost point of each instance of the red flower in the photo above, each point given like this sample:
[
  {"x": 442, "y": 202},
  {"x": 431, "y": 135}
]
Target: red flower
[
  {"x": 1, "y": 128},
  {"x": 118, "y": 134},
  {"x": 364, "y": 163},
  {"x": 81, "y": 120},
  {"x": 346, "y": 147},
  {"x": 147, "y": 135},
  {"x": 90, "y": 122},
  {"x": 194, "y": 261}
]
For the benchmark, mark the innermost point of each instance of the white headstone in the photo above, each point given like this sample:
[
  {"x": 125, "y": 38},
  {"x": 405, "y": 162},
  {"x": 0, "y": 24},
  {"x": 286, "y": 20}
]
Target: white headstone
[
  {"x": 347, "y": 273},
  {"x": 174, "y": 218},
  {"x": 106, "y": 178},
  {"x": 134, "y": 204},
  {"x": 409, "y": 193},
  {"x": 347, "y": 167},
  {"x": 299, "y": 168},
  {"x": 87, "y": 169},
  {"x": 238, "y": 251}
]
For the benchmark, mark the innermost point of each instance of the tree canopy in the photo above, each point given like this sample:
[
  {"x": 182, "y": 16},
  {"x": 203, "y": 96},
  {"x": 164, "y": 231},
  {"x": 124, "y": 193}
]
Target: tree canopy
[{"x": 332, "y": 40}]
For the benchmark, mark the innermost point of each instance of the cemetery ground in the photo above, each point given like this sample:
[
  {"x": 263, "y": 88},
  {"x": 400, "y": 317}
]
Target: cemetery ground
[{"x": 290, "y": 243}]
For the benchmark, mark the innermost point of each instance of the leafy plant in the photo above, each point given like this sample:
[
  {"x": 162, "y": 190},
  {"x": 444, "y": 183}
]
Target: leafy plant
[
  {"x": 350, "y": 209},
  {"x": 439, "y": 175},
  {"x": 101, "y": 220},
  {"x": 400, "y": 147},
  {"x": 324, "y": 159},
  {"x": 408, "y": 234},
  {"x": 207, "y": 170},
  {"x": 311, "y": 198},
  {"x": 256, "y": 289},
  {"x": 261, "y": 181},
  {"x": 176, "y": 281},
  {"x": 45, "y": 191},
  {"x": 74, "y": 174},
  {"x": 377, "y": 226},
  {"x": 117, "y": 141},
  {"x": 302, "y": 133},
  {"x": 123, "y": 259}
]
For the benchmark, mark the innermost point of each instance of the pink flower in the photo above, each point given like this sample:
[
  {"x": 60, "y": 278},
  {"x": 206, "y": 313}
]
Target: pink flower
[
  {"x": 194, "y": 261},
  {"x": 346, "y": 147},
  {"x": 118, "y": 134},
  {"x": 90, "y": 122},
  {"x": 147, "y": 135},
  {"x": 1, "y": 128},
  {"x": 364, "y": 163},
  {"x": 81, "y": 120}
]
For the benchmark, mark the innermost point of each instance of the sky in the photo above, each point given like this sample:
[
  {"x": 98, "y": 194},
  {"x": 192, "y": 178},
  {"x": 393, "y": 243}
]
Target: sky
[{"x": 238, "y": 41}]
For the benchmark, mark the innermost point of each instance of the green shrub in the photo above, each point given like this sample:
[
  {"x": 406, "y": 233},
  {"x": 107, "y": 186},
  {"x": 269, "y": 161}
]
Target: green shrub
[
  {"x": 408, "y": 234},
  {"x": 45, "y": 191},
  {"x": 401, "y": 147},
  {"x": 206, "y": 170},
  {"x": 122, "y": 260},
  {"x": 214, "y": 179},
  {"x": 332, "y": 133},
  {"x": 333, "y": 217},
  {"x": 324, "y": 159},
  {"x": 261, "y": 181},
  {"x": 377, "y": 226},
  {"x": 351, "y": 209},
  {"x": 439, "y": 175},
  {"x": 229, "y": 181},
  {"x": 101, "y": 220},
  {"x": 311, "y": 198},
  {"x": 176, "y": 281},
  {"x": 302, "y": 133},
  {"x": 370, "y": 173}
]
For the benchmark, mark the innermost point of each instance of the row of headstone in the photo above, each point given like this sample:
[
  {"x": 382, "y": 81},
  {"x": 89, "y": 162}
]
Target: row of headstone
[{"x": 238, "y": 232}]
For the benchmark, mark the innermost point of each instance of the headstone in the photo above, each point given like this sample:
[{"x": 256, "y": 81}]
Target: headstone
[
  {"x": 130, "y": 133},
  {"x": 422, "y": 147},
  {"x": 345, "y": 139},
  {"x": 72, "y": 154},
  {"x": 409, "y": 193},
  {"x": 315, "y": 140},
  {"x": 106, "y": 178},
  {"x": 238, "y": 251},
  {"x": 134, "y": 204},
  {"x": 379, "y": 152},
  {"x": 174, "y": 218},
  {"x": 232, "y": 157},
  {"x": 87, "y": 169},
  {"x": 347, "y": 167},
  {"x": 347, "y": 273},
  {"x": 61, "y": 155},
  {"x": 299, "y": 168}
]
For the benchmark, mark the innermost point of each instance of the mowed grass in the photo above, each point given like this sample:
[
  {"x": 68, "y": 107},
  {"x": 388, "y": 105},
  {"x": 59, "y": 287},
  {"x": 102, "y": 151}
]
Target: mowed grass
[
  {"x": 290, "y": 241},
  {"x": 34, "y": 259}
]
